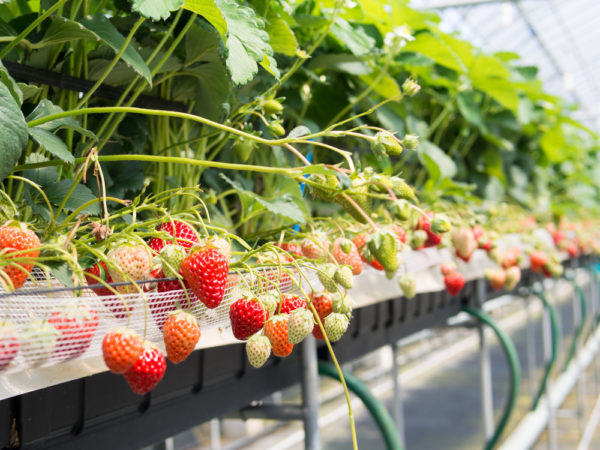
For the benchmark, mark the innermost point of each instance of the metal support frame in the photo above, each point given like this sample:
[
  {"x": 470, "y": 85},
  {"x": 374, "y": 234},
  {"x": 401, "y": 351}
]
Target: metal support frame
[
  {"x": 547, "y": 345},
  {"x": 397, "y": 409},
  {"x": 485, "y": 371},
  {"x": 530, "y": 347}
]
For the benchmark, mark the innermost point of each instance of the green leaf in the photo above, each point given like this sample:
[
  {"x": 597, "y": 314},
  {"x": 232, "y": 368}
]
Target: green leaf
[
  {"x": 355, "y": 39},
  {"x": 500, "y": 90},
  {"x": 384, "y": 85},
  {"x": 64, "y": 30},
  {"x": 13, "y": 131},
  {"x": 342, "y": 62},
  {"x": 429, "y": 45},
  {"x": 318, "y": 169},
  {"x": 11, "y": 84},
  {"x": 299, "y": 131},
  {"x": 247, "y": 42},
  {"x": 52, "y": 144},
  {"x": 281, "y": 36},
  {"x": 56, "y": 192},
  {"x": 211, "y": 12},
  {"x": 554, "y": 144},
  {"x": 109, "y": 35},
  {"x": 438, "y": 164},
  {"x": 470, "y": 109},
  {"x": 47, "y": 108},
  {"x": 156, "y": 9}
]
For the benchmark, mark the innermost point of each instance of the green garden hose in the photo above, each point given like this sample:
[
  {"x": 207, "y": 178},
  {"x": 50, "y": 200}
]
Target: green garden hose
[
  {"x": 378, "y": 411},
  {"x": 555, "y": 330},
  {"x": 515, "y": 371},
  {"x": 581, "y": 326}
]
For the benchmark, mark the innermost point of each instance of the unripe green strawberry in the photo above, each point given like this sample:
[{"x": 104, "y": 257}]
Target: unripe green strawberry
[
  {"x": 258, "y": 350},
  {"x": 243, "y": 149},
  {"x": 300, "y": 325},
  {"x": 440, "y": 224},
  {"x": 418, "y": 238},
  {"x": 384, "y": 246},
  {"x": 358, "y": 193},
  {"x": 277, "y": 129},
  {"x": 38, "y": 341},
  {"x": 172, "y": 257},
  {"x": 408, "y": 285},
  {"x": 272, "y": 106},
  {"x": 326, "y": 276},
  {"x": 385, "y": 143},
  {"x": 327, "y": 186},
  {"x": 401, "y": 209},
  {"x": 402, "y": 189},
  {"x": 335, "y": 325},
  {"x": 342, "y": 304},
  {"x": 343, "y": 276}
]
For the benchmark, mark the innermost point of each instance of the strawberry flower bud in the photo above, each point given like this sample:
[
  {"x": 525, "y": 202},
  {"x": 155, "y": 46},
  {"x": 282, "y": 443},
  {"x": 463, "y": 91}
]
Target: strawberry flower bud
[
  {"x": 410, "y": 141},
  {"x": 410, "y": 87}
]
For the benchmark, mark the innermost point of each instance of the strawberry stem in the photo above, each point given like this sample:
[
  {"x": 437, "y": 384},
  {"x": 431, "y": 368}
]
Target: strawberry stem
[{"x": 360, "y": 210}]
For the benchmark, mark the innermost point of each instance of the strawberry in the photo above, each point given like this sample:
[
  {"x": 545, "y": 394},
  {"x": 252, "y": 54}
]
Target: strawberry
[
  {"x": 464, "y": 242},
  {"x": 99, "y": 270},
  {"x": 513, "y": 276},
  {"x": 358, "y": 193},
  {"x": 276, "y": 332},
  {"x": 290, "y": 303},
  {"x": 408, "y": 285},
  {"x": 258, "y": 350},
  {"x": 335, "y": 325},
  {"x": 181, "y": 333},
  {"x": 300, "y": 324},
  {"x": 424, "y": 224},
  {"x": 38, "y": 341},
  {"x": 9, "y": 344},
  {"x": 440, "y": 224},
  {"x": 316, "y": 246},
  {"x": 572, "y": 250},
  {"x": 324, "y": 186},
  {"x": 76, "y": 325},
  {"x": 401, "y": 209},
  {"x": 553, "y": 269},
  {"x": 497, "y": 278},
  {"x": 537, "y": 260},
  {"x": 206, "y": 271},
  {"x": 418, "y": 239},
  {"x": 343, "y": 276},
  {"x": 172, "y": 256},
  {"x": 121, "y": 347},
  {"x": 478, "y": 232},
  {"x": 247, "y": 317},
  {"x": 360, "y": 241},
  {"x": 19, "y": 239},
  {"x": 220, "y": 244},
  {"x": 270, "y": 301},
  {"x": 324, "y": 306},
  {"x": 351, "y": 258},
  {"x": 147, "y": 370},
  {"x": 326, "y": 274},
  {"x": 163, "y": 305},
  {"x": 454, "y": 283},
  {"x": 511, "y": 257},
  {"x": 448, "y": 268},
  {"x": 558, "y": 236},
  {"x": 133, "y": 263},
  {"x": 185, "y": 234},
  {"x": 342, "y": 304},
  {"x": 292, "y": 248},
  {"x": 400, "y": 233},
  {"x": 383, "y": 245}
]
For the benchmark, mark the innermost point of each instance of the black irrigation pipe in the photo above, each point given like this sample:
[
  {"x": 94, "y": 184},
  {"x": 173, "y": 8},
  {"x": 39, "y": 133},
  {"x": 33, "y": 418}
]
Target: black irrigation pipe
[{"x": 55, "y": 79}]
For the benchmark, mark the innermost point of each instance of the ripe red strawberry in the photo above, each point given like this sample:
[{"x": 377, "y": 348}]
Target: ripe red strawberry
[
  {"x": 424, "y": 224},
  {"x": 323, "y": 303},
  {"x": 247, "y": 317},
  {"x": 292, "y": 248},
  {"x": 147, "y": 371},
  {"x": 134, "y": 261},
  {"x": 181, "y": 333},
  {"x": 352, "y": 258},
  {"x": 316, "y": 246},
  {"x": 497, "y": 278},
  {"x": 511, "y": 257},
  {"x": 558, "y": 236},
  {"x": 360, "y": 241},
  {"x": 448, "y": 268},
  {"x": 121, "y": 347},
  {"x": 184, "y": 232},
  {"x": 454, "y": 283},
  {"x": 290, "y": 302},
  {"x": 572, "y": 250},
  {"x": 206, "y": 271},
  {"x": 13, "y": 239},
  {"x": 464, "y": 242},
  {"x": 77, "y": 324},
  {"x": 537, "y": 260},
  {"x": 276, "y": 332},
  {"x": 9, "y": 344},
  {"x": 99, "y": 270},
  {"x": 400, "y": 233}
]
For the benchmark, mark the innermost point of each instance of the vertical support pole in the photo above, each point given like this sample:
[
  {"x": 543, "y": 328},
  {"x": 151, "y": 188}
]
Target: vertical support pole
[
  {"x": 531, "y": 357},
  {"x": 215, "y": 434},
  {"x": 310, "y": 394},
  {"x": 547, "y": 344},
  {"x": 485, "y": 373},
  {"x": 397, "y": 411},
  {"x": 577, "y": 322}
]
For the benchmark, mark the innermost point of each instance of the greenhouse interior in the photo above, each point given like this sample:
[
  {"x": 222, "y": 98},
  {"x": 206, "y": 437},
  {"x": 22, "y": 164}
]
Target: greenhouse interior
[{"x": 300, "y": 224}]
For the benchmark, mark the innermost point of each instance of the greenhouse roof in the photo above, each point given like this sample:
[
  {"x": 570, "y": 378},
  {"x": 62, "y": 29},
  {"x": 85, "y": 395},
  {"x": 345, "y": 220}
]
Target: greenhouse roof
[{"x": 561, "y": 38}]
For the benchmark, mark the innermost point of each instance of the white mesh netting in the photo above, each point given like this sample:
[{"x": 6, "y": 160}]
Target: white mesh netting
[{"x": 54, "y": 326}]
